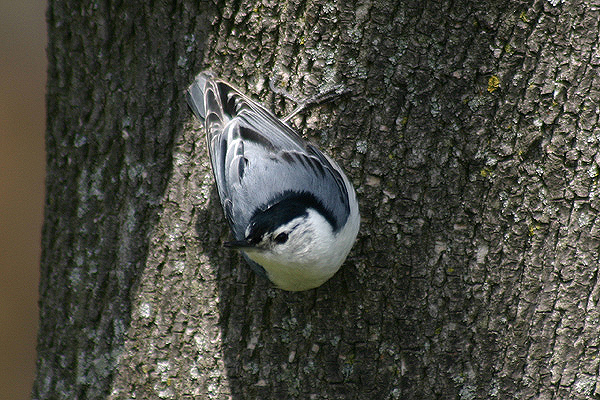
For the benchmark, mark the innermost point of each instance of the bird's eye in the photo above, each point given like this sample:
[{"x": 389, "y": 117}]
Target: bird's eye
[{"x": 281, "y": 238}]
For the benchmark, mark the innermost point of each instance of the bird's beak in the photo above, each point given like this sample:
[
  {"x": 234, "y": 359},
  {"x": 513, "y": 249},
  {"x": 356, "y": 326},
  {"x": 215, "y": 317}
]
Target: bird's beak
[{"x": 238, "y": 244}]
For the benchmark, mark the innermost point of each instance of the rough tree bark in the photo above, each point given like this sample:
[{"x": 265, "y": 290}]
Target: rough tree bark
[{"x": 471, "y": 135}]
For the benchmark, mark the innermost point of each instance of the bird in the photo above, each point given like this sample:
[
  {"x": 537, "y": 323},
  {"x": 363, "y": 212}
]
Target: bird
[{"x": 292, "y": 211}]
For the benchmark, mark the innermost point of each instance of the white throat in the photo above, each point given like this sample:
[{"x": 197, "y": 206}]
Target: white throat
[{"x": 309, "y": 262}]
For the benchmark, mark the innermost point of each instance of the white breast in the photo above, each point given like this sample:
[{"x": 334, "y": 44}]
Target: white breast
[{"x": 309, "y": 264}]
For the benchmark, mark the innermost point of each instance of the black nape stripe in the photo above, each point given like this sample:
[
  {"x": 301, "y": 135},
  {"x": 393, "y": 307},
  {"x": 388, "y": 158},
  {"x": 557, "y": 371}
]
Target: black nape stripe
[{"x": 284, "y": 208}]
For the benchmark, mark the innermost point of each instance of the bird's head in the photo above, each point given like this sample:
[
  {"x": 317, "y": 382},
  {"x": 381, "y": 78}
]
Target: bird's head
[{"x": 294, "y": 240}]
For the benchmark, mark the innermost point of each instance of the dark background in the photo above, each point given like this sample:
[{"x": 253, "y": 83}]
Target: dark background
[{"x": 22, "y": 124}]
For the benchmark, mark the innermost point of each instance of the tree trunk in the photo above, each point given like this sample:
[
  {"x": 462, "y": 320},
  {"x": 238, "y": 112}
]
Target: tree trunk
[{"x": 471, "y": 136}]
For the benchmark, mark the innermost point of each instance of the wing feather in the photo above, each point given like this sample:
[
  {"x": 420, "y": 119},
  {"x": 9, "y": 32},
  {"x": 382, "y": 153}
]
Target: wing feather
[{"x": 256, "y": 157}]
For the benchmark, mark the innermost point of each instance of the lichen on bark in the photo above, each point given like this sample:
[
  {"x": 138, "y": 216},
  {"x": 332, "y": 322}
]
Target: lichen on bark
[{"x": 471, "y": 137}]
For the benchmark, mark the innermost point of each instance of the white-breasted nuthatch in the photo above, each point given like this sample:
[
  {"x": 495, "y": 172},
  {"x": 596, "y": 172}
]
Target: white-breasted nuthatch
[{"x": 292, "y": 210}]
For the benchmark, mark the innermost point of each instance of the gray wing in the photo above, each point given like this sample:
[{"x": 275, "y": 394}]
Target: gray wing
[{"x": 256, "y": 157}]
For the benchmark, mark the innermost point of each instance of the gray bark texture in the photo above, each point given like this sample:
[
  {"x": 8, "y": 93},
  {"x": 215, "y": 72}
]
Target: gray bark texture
[{"x": 471, "y": 134}]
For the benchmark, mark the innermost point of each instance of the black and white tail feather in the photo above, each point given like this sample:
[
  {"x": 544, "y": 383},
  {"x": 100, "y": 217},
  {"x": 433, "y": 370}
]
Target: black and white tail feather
[{"x": 292, "y": 210}]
